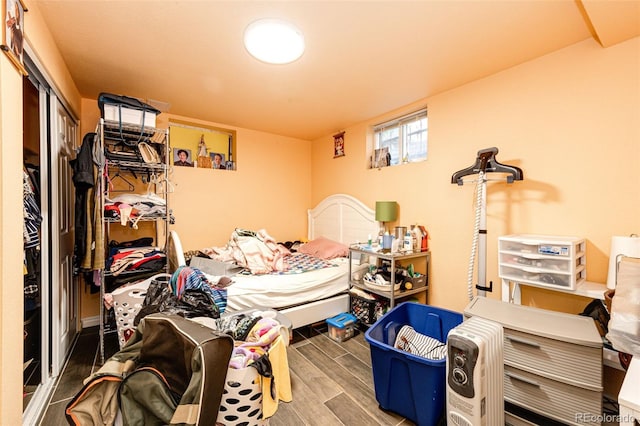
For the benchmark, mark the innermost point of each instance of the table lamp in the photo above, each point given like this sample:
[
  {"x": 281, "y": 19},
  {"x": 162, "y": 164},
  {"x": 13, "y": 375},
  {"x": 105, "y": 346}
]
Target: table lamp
[{"x": 386, "y": 211}]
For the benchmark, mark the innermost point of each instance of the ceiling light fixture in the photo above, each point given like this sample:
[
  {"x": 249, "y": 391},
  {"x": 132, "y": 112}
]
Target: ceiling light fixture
[{"x": 274, "y": 41}]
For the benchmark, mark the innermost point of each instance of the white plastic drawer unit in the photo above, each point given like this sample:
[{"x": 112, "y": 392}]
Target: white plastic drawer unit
[{"x": 542, "y": 260}]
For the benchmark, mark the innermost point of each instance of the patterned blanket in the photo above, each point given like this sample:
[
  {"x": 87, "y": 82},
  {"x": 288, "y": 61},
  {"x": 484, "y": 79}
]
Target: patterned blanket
[{"x": 297, "y": 263}]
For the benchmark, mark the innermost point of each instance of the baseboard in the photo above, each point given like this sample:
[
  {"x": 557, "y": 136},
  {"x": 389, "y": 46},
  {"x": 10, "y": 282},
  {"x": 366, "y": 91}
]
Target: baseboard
[{"x": 90, "y": 321}]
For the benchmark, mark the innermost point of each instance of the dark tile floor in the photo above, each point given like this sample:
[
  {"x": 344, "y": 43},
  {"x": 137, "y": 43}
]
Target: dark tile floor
[{"x": 84, "y": 360}]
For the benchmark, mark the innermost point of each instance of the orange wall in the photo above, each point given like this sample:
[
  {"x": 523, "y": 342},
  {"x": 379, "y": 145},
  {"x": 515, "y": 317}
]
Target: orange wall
[
  {"x": 269, "y": 190},
  {"x": 570, "y": 120}
]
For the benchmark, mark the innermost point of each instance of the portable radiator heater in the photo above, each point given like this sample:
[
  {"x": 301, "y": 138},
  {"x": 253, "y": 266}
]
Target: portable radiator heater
[{"x": 475, "y": 370}]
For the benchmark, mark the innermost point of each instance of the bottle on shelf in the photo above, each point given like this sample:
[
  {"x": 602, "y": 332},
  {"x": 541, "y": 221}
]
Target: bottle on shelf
[
  {"x": 417, "y": 237},
  {"x": 408, "y": 243}
]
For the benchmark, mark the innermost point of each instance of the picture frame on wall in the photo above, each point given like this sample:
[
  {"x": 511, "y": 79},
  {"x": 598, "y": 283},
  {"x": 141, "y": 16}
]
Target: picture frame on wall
[
  {"x": 338, "y": 145},
  {"x": 182, "y": 157},
  {"x": 381, "y": 158},
  {"x": 13, "y": 32},
  {"x": 217, "y": 161}
]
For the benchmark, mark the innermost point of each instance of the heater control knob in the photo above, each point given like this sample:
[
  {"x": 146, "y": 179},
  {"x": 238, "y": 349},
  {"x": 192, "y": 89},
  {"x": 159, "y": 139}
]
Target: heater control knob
[{"x": 459, "y": 376}]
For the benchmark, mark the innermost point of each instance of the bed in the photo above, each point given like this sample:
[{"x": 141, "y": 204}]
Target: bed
[{"x": 312, "y": 296}]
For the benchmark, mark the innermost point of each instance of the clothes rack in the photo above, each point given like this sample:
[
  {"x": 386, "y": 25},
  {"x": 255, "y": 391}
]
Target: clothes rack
[{"x": 153, "y": 174}]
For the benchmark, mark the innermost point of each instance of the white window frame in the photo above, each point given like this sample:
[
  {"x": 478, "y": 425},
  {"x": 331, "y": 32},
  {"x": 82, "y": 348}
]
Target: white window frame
[{"x": 397, "y": 135}]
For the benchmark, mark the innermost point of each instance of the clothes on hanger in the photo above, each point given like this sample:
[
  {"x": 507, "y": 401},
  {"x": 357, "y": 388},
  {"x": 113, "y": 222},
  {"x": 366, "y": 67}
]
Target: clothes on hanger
[
  {"x": 31, "y": 236},
  {"x": 83, "y": 179}
]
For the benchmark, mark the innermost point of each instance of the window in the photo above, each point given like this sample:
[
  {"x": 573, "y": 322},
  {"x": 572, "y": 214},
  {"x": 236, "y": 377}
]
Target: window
[{"x": 404, "y": 138}]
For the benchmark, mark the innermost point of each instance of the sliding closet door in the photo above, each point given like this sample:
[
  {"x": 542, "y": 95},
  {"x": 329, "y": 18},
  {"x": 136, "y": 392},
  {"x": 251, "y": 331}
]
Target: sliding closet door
[{"x": 64, "y": 294}]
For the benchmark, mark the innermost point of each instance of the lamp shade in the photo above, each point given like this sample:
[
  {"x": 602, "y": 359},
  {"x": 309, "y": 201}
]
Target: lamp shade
[{"x": 386, "y": 211}]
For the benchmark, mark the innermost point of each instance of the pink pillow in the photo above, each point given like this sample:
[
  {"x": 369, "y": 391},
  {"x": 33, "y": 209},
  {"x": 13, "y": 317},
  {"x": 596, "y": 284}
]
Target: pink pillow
[{"x": 324, "y": 248}]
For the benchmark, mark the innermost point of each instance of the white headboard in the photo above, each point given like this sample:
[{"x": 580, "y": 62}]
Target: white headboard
[{"x": 342, "y": 218}]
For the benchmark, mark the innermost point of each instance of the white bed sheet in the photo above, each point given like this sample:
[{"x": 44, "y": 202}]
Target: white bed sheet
[{"x": 280, "y": 291}]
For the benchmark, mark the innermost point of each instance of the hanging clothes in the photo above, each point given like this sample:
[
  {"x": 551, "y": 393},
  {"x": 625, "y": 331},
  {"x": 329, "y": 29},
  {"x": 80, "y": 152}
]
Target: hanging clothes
[
  {"x": 31, "y": 236},
  {"x": 82, "y": 167},
  {"x": 31, "y": 211}
]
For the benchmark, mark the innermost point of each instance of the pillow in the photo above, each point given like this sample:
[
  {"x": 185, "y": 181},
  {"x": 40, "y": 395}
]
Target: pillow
[{"x": 324, "y": 248}]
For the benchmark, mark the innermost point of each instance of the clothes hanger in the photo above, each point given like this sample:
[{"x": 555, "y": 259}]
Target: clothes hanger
[
  {"x": 155, "y": 180},
  {"x": 486, "y": 162},
  {"x": 130, "y": 186}
]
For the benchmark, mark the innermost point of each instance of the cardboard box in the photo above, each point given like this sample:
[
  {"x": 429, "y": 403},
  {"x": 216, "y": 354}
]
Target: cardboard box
[
  {"x": 129, "y": 115},
  {"x": 215, "y": 267}
]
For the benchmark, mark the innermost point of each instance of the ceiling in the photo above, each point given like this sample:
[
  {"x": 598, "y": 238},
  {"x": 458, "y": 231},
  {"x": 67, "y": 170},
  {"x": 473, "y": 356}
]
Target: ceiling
[{"x": 363, "y": 58}]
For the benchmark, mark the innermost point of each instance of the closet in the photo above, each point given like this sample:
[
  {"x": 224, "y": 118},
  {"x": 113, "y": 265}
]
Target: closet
[
  {"x": 50, "y": 290},
  {"x": 32, "y": 355}
]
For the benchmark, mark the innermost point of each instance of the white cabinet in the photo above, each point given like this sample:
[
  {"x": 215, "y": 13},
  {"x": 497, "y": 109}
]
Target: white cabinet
[
  {"x": 553, "y": 361},
  {"x": 542, "y": 260}
]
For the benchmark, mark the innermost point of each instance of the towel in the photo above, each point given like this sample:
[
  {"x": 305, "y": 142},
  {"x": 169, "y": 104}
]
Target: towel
[{"x": 280, "y": 369}]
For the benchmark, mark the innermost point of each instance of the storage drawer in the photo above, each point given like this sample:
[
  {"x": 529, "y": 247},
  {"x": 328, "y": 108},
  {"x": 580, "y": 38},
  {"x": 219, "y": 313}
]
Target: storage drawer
[
  {"x": 541, "y": 277},
  {"x": 556, "y": 400},
  {"x": 554, "y": 359},
  {"x": 542, "y": 260},
  {"x": 513, "y": 420},
  {"x": 536, "y": 261},
  {"x": 542, "y": 244}
]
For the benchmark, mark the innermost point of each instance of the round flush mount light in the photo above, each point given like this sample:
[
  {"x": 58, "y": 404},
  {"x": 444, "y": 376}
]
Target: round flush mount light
[{"x": 274, "y": 41}]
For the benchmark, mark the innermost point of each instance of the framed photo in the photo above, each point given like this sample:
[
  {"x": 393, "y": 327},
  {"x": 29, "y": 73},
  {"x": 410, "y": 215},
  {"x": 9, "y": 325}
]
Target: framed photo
[
  {"x": 338, "y": 145},
  {"x": 13, "y": 32},
  {"x": 217, "y": 161},
  {"x": 182, "y": 157},
  {"x": 381, "y": 158}
]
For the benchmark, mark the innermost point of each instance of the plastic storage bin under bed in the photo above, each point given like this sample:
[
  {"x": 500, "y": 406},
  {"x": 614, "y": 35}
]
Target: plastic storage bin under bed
[{"x": 409, "y": 385}]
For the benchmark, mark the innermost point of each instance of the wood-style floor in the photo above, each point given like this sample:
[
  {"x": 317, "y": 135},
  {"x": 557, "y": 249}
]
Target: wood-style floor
[{"x": 332, "y": 382}]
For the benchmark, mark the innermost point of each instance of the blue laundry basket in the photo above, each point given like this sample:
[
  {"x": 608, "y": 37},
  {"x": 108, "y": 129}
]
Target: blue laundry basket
[{"x": 409, "y": 385}]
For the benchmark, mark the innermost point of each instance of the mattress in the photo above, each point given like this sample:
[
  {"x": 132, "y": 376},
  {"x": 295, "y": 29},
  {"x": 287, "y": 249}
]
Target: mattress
[{"x": 280, "y": 291}]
